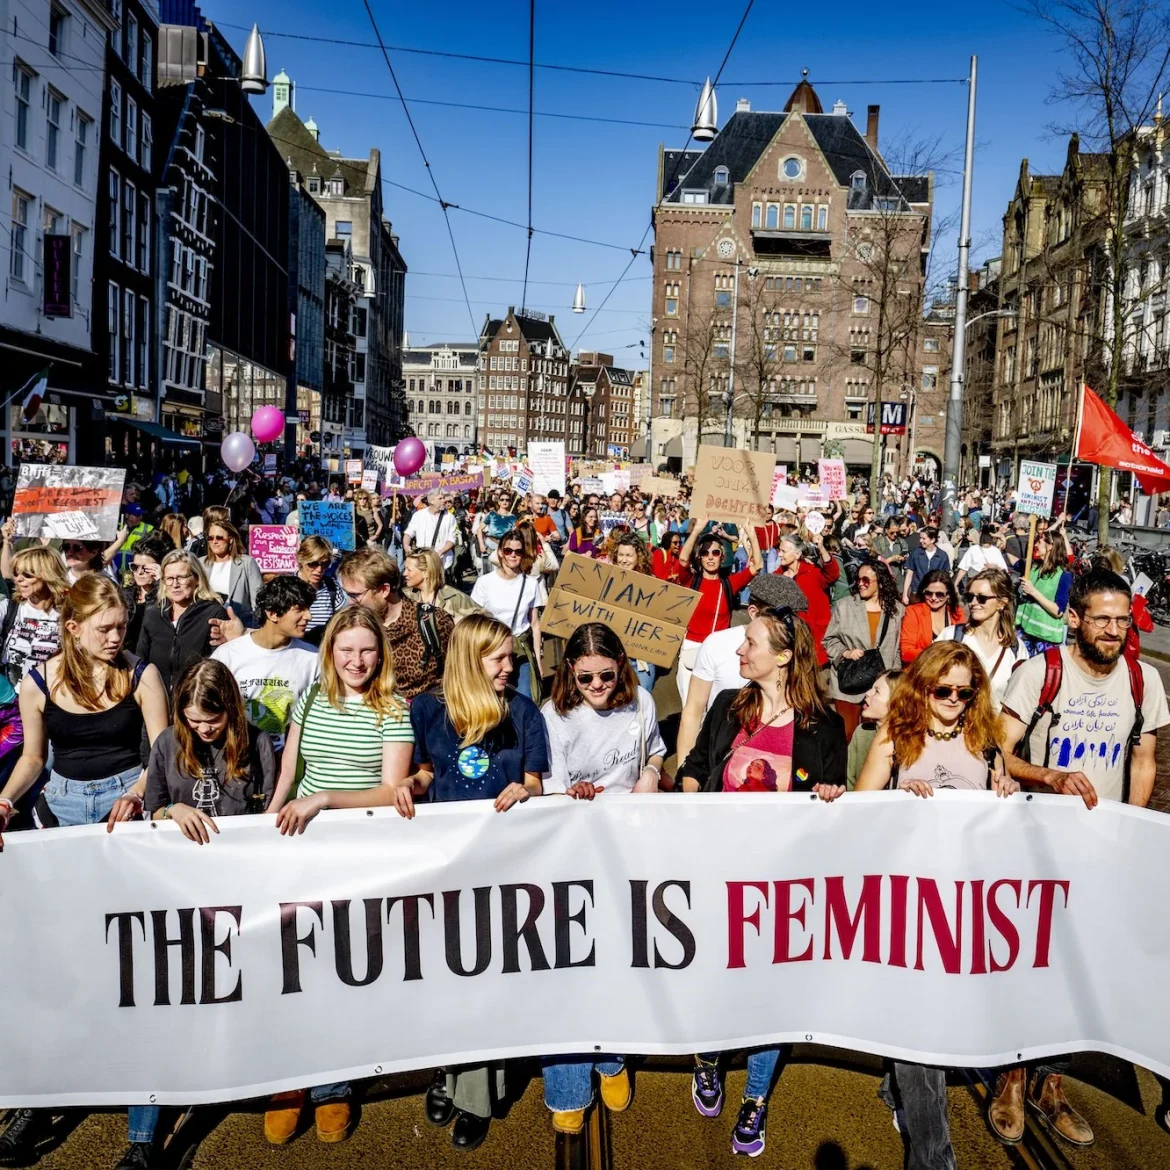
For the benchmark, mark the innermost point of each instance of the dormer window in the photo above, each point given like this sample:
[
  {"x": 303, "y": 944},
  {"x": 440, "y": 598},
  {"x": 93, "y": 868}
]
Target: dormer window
[
  {"x": 694, "y": 196},
  {"x": 857, "y": 180},
  {"x": 722, "y": 176}
]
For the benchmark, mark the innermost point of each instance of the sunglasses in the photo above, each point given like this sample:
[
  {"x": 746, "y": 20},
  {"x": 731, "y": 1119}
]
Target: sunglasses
[
  {"x": 317, "y": 565},
  {"x": 605, "y": 677},
  {"x": 512, "y": 552},
  {"x": 939, "y": 595},
  {"x": 963, "y": 694},
  {"x": 979, "y": 598},
  {"x": 866, "y": 580},
  {"x": 73, "y": 546},
  {"x": 142, "y": 568}
]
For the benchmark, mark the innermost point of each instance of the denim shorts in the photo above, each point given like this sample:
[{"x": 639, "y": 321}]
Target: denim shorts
[{"x": 86, "y": 802}]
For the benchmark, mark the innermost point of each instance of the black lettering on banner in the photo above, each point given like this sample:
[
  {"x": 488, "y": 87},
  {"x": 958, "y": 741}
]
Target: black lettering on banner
[
  {"x": 674, "y": 925},
  {"x": 411, "y": 950},
  {"x": 289, "y": 942},
  {"x": 562, "y": 920},
  {"x": 210, "y": 948},
  {"x": 529, "y": 932},
  {"x": 126, "y": 952},
  {"x": 343, "y": 944},
  {"x": 162, "y": 944},
  {"x": 639, "y": 935},
  {"x": 483, "y": 931}
]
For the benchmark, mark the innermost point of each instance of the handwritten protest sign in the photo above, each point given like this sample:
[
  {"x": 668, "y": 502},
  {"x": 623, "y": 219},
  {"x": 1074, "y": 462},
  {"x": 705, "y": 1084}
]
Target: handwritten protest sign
[
  {"x": 612, "y": 520},
  {"x": 1036, "y": 488},
  {"x": 353, "y": 471},
  {"x": 615, "y": 481},
  {"x": 547, "y": 461},
  {"x": 89, "y": 498},
  {"x": 420, "y": 485},
  {"x": 733, "y": 485},
  {"x": 786, "y": 496},
  {"x": 660, "y": 485},
  {"x": 831, "y": 473},
  {"x": 334, "y": 521},
  {"x": 273, "y": 547},
  {"x": 779, "y": 480},
  {"x": 379, "y": 459},
  {"x": 370, "y": 479},
  {"x": 639, "y": 473},
  {"x": 650, "y": 616},
  {"x": 592, "y": 486},
  {"x": 812, "y": 495}
]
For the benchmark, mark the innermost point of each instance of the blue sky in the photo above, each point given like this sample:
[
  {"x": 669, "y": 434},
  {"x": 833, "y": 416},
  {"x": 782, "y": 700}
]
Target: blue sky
[{"x": 595, "y": 179}]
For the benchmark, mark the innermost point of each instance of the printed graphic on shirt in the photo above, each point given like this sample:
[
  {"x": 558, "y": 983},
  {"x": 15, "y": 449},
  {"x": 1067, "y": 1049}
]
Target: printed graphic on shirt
[
  {"x": 473, "y": 762},
  {"x": 943, "y": 778},
  {"x": 1088, "y": 731},
  {"x": 270, "y": 707},
  {"x": 761, "y": 762},
  {"x": 205, "y": 791},
  {"x": 34, "y": 640}
]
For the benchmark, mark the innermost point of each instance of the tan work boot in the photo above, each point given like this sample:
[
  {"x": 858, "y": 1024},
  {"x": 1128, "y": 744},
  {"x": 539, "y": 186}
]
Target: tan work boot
[
  {"x": 1005, "y": 1110},
  {"x": 284, "y": 1112},
  {"x": 332, "y": 1121},
  {"x": 568, "y": 1120},
  {"x": 1052, "y": 1107},
  {"x": 616, "y": 1091}
]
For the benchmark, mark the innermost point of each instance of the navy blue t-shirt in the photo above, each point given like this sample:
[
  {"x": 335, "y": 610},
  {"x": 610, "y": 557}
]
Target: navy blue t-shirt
[{"x": 483, "y": 770}]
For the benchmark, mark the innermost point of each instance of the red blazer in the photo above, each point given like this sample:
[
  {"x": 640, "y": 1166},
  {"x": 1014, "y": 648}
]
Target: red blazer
[
  {"x": 918, "y": 629},
  {"x": 814, "y": 581}
]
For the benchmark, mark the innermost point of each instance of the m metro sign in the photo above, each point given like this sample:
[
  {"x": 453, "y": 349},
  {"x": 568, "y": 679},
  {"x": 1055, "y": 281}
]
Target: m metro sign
[{"x": 893, "y": 418}]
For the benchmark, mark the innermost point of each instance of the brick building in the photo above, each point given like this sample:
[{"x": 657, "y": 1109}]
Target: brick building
[
  {"x": 441, "y": 382},
  {"x": 601, "y": 407},
  {"x": 789, "y": 267}
]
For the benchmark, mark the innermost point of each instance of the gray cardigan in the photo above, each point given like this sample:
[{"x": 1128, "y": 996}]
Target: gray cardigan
[
  {"x": 243, "y": 585},
  {"x": 849, "y": 630}
]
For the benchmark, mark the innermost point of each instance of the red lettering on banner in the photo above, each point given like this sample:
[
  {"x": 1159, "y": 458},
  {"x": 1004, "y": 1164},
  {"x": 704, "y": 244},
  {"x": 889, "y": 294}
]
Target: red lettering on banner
[
  {"x": 899, "y": 884},
  {"x": 950, "y": 946},
  {"x": 867, "y": 918},
  {"x": 1002, "y": 923},
  {"x": 736, "y": 919},
  {"x": 1047, "y": 887},
  {"x": 978, "y": 933},
  {"x": 787, "y": 914}
]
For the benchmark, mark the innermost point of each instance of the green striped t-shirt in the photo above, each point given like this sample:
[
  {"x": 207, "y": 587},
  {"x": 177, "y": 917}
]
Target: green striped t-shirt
[{"x": 342, "y": 750}]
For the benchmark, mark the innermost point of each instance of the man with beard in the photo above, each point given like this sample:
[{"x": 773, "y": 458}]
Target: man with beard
[{"x": 1093, "y": 715}]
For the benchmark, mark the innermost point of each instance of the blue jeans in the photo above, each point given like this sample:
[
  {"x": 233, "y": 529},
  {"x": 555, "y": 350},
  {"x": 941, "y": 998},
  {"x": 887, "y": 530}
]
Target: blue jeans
[
  {"x": 646, "y": 677},
  {"x": 86, "y": 802},
  {"x": 142, "y": 1121},
  {"x": 923, "y": 1092},
  {"x": 323, "y": 1094},
  {"x": 523, "y": 682},
  {"x": 761, "y": 1069},
  {"x": 568, "y": 1080}
]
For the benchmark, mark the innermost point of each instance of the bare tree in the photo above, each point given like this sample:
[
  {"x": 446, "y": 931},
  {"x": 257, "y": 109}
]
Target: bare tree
[{"x": 705, "y": 368}]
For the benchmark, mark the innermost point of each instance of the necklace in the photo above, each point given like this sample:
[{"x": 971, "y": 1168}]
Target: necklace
[
  {"x": 767, "y": 723},
  {"x": 945, "y": 735}
]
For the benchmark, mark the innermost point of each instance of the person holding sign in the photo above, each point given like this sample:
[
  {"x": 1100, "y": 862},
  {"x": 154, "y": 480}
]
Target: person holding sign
[
  {"x": 778, "y": 733},
  {"x": 1047, "y": 588},
  {"x": 586, "y": 539}
]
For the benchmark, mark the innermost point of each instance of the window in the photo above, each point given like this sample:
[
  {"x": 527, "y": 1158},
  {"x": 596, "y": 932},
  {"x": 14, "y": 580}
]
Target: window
[
  {"x": 861, "y": 306},
  {"x": 789, "y": 215},
  {"x": 53, "y": 221},
  {"x": 128, "y": 337},
  {"x": 78, "y": 254},
  {"x": 822, "y": 218},
  {"x": 116, "y": 112},
  {"x": 18, "y": 262},
  {"x": 57, "y": 21},
  {"x": 132, "y": 44},
  {"x": 80, "y": 145},
  {"x": 147, "y": 74},
  {"x": 757, "y": 215},
  {"x": 694, "y": 196},
  {"x": 857, "y": 180},
  {"x": 792, "y": 168},
  {"x": 143, "y": 334},
  {"x": 359, "y": 321},
  {"x": 114, "y": 313},
  {"x": 147, "y": 143},
  {"x": 929, "y": 377},
  {"x": 722, "y": 298},
  {"x": 674, "y": 261},
  {"x": 722, "y": 176},
  {"x": 930, "y": 345},
  {"x": 131, "y": 127},
  {"x": 806, "y": 218},
  {"x": 790, "y": 353},
  {"x": 773, "y": 220},
  {"x": 314, "y": 186},
  {"x": 671, "y": 300},
  {"x": 22, "y": 81},
  {"x": 144, "y": 232},
  {"x": 200, "y": 142},
  {"x": 129, "y": 222},
  {"x": 53, "y": 103},
  {"x": 336, "y": 187},
  {"x": 344, "y": 229}
]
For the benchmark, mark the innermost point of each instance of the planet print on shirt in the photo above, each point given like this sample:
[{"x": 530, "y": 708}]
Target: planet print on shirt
[
  {"x": 271, "y": 709},
  {"x": 473, "y": 762}
]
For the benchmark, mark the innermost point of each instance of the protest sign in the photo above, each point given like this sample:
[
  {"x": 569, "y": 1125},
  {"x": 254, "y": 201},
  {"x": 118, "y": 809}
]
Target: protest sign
[
  {"x": 57, "y": 501},
  {"x": 650, "y": 616},
  {"x": 1036, "y": 488},
  {"x": 786, "y": 496},
  {"x": 733, "y": 485},
  {"x": 831, "y": 473},
  {"x": 811, "y": 495},
  {"x": 815, "y": 523},
  {"x": 380, "y": 459},
  {"x": 353, "y": 471},
  {"x": 639, "y": 473},
  {"x": 502, "y": 471},
  {"x": 615, "y": 481},
  {"x": 370, "y": 479},
  {"x": 547, "y": 461},
  {"x": 334, "y": 521},
  {"x": 522, "y": 480},
  {"x": 703, "y": 918},
  {"x": 421, "y": 485},
  {"x": 269, "y": 464},
  {"x": 779, "y": 480},
  {"x": 611, "y": 520},
  {"x": 660, "y": 485},
  {"x": 274, "y": 547},
  {"x": 592, "y": 486}
]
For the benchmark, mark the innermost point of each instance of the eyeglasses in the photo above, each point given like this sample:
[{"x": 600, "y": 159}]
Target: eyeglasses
[
  {"x": 217, "y": 539},
  {"x": 512, "y": 552},
  {"x": 356, "y": 597},
  {"x": 963, "y": 694},
  {"x": 1101, "y": 622},
  {"x": 178, "y": 580},
  {"x": 140, "y": 568},
  {"x": 605, "y": 677},
  {"x": 937, "y": 594},
  {"x": 317, "y": 565},
  {"x": 979, "y": 598}
]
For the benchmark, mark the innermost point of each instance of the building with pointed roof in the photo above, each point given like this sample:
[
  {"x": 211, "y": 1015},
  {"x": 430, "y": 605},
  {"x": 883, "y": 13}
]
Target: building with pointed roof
[{"x": 789, "y": 269}]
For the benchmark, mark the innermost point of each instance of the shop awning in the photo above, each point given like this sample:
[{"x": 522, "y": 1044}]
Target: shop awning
[
  {"x": 810, "y": 448},
  {"x": 673, "y": 448},
  {"x": 638, "y": 449},
  {"x": 159, "y": 432},
  {"x": 857, "y": 451},
  {"x": 786, "y": 450}
]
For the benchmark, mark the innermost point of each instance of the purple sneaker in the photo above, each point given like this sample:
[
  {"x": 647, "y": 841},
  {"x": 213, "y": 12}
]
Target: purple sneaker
[
  {"x": 707, "y": 1090},
  {"x": 748, "y": 1135}
]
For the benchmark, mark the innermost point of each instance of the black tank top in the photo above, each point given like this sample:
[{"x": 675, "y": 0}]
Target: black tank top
[{"x": 99, "y": 744}]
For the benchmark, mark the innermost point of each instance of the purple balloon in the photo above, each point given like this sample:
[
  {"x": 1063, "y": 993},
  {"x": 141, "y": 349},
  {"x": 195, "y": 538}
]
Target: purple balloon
[
  {"x": 409, "y": 456},
  {"x": 237, "y": 450},
  {"x": 268, "y": 423}
]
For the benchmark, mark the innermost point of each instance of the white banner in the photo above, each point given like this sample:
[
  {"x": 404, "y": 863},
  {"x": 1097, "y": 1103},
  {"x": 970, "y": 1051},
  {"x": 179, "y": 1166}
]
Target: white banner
[{"x": 962, "y": 930}]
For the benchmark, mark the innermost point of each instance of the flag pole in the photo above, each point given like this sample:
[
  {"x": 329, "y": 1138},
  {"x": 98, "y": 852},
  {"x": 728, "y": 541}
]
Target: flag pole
[{"x": 1072, "y": 455}]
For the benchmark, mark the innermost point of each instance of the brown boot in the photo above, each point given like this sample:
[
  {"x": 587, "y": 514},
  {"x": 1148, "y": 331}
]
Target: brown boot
[
  {"x": 1052, "y": 1107},
  {"x": 280, "y": 1121},
  {"x": 1005, "y": 1110}
]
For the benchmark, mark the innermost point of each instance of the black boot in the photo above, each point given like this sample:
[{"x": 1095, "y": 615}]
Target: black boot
[
  {"x": 440, "y": 1107},
  {"x": 138, "y": 1156},
  {"x": 469, "y": 1131},
  {"x": 19, "y": 1142}
]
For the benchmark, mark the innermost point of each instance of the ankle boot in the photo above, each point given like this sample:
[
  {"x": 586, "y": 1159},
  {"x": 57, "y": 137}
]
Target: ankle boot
[
  {"x": 1005, "y": 1110},
  {"x": 1052, "y": 1107}
]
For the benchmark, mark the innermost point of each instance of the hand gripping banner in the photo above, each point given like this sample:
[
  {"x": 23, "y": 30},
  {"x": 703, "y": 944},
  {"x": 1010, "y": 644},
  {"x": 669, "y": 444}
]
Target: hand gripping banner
[{"x": 962, "y": 930}]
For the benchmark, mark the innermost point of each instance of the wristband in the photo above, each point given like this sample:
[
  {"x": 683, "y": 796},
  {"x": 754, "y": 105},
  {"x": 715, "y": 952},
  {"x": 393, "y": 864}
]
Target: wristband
[
  {"x": 653, "y": 768},
  {"x": 11, "y": 807}
]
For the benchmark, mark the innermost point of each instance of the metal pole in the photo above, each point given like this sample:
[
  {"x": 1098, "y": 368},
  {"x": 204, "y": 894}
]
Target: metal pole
[
  {"x": 728, "y": 438},
  {"x": 954, "y": 440}
]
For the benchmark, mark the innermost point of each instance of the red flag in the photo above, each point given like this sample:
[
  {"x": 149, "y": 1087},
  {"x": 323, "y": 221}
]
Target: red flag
[{"x": 1102, "y": 438}]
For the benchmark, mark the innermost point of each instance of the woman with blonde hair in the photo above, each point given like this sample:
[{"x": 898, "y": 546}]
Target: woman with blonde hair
[
  {"x": 175, "y": 526},
  {"x": 30, "y": 620},
  {"x": 348, "y": 746},
  {"x": 474, "y": 739},
  {"x": 314, "y": 558},
  {"x": 426, "y": 584},
  {"x": 235, "y": 576},
  {"x": 177, "y": 631}
]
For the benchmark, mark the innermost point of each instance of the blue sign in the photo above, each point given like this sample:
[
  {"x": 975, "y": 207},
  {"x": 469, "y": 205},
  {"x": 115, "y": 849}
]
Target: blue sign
[{"x": 334, "y": 521}]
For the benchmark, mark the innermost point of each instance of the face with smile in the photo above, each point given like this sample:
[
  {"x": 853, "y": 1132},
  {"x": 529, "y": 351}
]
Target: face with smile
[
  {"x": 935, "y": 595},
  {"x": 412, "y": 573},
  {"x": 293, "y": 623},
  {"x": 626, "y": 558},
  {"x": 498, "y": 666},
  {"x": 946, "y": 702},
  {"x": 1102, "y": 629},
  {"x": 356, "y": 655},
  {"x": 204, "y": 726},
  {"x": 179, "y": 582},
  {"x": 867, "y": 585},
  {"x": 596, "y": 678}
]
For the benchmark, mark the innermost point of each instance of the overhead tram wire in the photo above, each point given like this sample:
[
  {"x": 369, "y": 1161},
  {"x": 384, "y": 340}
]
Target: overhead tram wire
[
  {"x": 636, "y": 252},
  {"x": 426, "y": 163},
  {"x": 531, "y": 101}
]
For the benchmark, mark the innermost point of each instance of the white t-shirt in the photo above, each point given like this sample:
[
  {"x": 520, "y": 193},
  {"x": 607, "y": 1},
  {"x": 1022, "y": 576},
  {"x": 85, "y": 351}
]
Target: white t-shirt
[
  {"x": 997, "y": 674},
  {"x": 430, "y": 531},
  {"x": 601, "y": 747},
  {"x": 35, "y": 636},
  {"x": 980, "y": 557},
  {"x": 718, "y": 663},
  {"x": 220, "y": 577},
  {"x": 499, "y": 596},
  {"x": 1092, "y": 718},
  {"x": 271, "y": 681}
]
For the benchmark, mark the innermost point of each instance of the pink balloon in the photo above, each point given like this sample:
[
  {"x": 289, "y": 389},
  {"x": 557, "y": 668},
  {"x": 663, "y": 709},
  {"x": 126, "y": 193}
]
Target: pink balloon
[
  {"x": 237, "y": 450},
  {"x": 268, "y": 423},
  {"x": 409, "y": 456}
]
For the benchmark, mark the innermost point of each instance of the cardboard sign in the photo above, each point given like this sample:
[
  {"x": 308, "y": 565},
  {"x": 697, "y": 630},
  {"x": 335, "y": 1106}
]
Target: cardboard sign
[
  {"x": 370, "y": 479},
  {"x": 353, "y": 471},
  {"x": 547, "y": 461},
  {"x": 1036, "y": 488},
  {"x": 779, "y": 480},
  {"x": 592, "y": 486},
  {"x": 334, "y": 521},
  {"x": 660, "y": 485},
  {"x": 57, "y": 501},
  {"x": 274, "y": 547},
  {"x": 733, "y": 485},
  {"x": 650, "y": 616},
  {"x": 639, "y": 473},
  {"x": 832, "y": 476}
]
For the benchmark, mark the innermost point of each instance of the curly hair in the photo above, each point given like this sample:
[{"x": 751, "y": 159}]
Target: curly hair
[
  {"x": 887, "y": 589},
  {"x": 643, "y": 563},
  {"x": 910, "y": 702}
]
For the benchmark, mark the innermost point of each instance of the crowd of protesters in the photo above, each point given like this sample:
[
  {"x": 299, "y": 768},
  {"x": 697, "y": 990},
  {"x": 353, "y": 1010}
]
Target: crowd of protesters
[{"x": 166, "y": 676}]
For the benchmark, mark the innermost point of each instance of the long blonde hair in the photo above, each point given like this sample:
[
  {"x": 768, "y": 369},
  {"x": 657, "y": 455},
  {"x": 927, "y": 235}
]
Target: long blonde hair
[
  {"x": 92, "y": 594},
  {"x": 473, "y": 705},
  {"x": 46, "y": 566},
  {"x": 787, "y": 631},
  {"x": 431, "y": 568},
  {"x": 203, "y": 589},
  {"x": 379, "y": 695}
]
